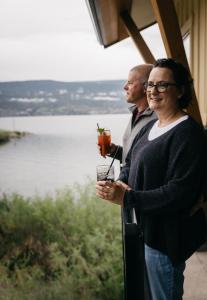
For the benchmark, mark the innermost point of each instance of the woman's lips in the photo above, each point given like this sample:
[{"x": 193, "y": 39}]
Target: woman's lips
[{"x": 155, "y": 99}]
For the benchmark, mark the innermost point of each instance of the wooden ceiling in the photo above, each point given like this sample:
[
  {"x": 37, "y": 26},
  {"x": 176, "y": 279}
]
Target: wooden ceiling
[
  {"x": 108, "y": 25},
  {"x": 115, "y": 20}
]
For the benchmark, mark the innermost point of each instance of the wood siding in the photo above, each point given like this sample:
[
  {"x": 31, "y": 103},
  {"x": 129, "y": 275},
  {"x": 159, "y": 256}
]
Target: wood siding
[{"x": 193, "y": 14}]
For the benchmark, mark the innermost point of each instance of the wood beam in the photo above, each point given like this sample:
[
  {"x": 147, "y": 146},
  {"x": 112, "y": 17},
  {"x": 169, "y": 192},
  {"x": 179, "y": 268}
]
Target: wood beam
[
  {"x": 166, "y": 16},
  {"x": 133, "y": 31}
]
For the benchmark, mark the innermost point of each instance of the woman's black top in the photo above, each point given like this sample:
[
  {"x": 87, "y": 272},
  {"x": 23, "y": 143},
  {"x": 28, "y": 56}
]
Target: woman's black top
[{"x": 166, "y": 175}]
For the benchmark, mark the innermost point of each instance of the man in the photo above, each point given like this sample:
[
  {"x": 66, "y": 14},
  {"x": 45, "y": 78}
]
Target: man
[
  {"x": 141, "y": 114},
  {"x": 132, "y": 244}
]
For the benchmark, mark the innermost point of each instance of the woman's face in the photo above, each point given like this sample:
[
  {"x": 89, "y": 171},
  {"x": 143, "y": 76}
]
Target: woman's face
[{"x": 166, "y": 100}]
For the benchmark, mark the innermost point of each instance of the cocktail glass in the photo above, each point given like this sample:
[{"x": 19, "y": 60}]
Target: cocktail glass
[
  {"x": 104, "y": 141},
  {"x": 103, "y": 172}
]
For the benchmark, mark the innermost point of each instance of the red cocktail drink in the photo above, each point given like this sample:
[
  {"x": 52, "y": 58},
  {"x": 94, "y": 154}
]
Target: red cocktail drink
[{"x": 104, "y": 141}]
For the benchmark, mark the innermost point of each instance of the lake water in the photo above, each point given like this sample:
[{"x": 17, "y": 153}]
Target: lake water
[{"x": 59, "y": 151}]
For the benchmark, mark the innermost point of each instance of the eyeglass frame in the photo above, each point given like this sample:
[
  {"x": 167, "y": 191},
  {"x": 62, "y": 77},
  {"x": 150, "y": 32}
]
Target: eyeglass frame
[{"x": 163, "y": 84}]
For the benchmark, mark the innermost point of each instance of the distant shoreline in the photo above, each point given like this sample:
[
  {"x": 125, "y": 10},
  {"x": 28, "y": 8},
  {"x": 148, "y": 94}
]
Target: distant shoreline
[
  {"x": 123, "y": 112},
  {"x": 6, "y": 135},
  {"x": 44, "y": 97}
]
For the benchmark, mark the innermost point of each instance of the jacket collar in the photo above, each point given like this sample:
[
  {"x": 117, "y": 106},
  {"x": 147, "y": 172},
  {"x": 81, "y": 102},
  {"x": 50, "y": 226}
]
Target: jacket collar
[{"x": 147, "y": 111}]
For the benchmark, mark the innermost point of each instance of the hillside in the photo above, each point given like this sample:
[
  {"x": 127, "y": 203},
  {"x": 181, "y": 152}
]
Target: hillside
[{"x": 47, "y": 97}]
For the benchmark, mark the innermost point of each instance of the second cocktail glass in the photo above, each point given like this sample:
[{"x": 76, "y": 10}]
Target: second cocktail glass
[{"x": 105, "y": 172}]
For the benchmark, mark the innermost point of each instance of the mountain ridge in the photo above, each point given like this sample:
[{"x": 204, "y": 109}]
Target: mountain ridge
[{"x": 52, "y": 97}]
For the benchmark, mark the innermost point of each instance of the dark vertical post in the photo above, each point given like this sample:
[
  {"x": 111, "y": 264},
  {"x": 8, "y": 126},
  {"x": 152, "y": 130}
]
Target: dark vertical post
[{"x": 133, "y": 257}]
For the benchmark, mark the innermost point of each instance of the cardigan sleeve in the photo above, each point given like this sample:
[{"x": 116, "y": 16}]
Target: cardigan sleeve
[{"x": 184, "y": 179}]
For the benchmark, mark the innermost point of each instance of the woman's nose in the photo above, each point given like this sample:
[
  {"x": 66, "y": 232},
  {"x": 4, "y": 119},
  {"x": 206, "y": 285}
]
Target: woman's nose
[{"x": 154, "y": 90}]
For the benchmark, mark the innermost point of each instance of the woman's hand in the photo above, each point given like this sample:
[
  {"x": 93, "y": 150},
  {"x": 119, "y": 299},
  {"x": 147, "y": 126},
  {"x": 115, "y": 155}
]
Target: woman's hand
[{"x": 111, "y": 191}]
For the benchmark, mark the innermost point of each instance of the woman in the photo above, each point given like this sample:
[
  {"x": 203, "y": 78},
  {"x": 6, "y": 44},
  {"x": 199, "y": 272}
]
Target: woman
[{"x": 163, "y": 180}]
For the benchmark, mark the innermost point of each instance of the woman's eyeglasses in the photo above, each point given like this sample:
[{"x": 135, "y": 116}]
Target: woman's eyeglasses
[{"x": 161, "y": 87}]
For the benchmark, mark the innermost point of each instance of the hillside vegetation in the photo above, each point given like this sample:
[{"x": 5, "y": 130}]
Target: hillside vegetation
[
  {"x": 47, "y": 97},
  {"x": 63, "y": 248}
]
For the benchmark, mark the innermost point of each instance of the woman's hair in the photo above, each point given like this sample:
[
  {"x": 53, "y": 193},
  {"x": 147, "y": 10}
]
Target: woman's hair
[{"x": 182, "y": 78}]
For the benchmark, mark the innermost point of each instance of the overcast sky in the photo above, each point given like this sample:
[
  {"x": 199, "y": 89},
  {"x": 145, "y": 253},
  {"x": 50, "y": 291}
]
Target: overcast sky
[{"x": 55, "y": 39}]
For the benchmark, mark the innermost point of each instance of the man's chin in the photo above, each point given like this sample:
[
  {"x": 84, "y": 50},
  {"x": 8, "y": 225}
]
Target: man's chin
[{"x": 129, "y": 101}]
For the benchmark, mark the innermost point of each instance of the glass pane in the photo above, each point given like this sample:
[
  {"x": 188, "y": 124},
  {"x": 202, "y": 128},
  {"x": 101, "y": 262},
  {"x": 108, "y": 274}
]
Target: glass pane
[{"x": 186, "y": 42}]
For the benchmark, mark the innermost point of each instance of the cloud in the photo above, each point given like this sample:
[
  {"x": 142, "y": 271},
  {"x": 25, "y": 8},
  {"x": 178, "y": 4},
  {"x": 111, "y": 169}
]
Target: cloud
[
  {"x": 28, "y": 17},
  {"x": 71, "y": 57},
  {"x": 55, "y": 39}
]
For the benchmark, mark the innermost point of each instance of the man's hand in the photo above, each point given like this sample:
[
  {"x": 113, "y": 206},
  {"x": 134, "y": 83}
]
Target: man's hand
[{"x": 112, "y": 148}]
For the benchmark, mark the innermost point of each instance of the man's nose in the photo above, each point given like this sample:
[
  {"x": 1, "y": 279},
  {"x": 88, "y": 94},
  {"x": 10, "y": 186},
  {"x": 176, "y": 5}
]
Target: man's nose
[{"x": 126, "y": 86}]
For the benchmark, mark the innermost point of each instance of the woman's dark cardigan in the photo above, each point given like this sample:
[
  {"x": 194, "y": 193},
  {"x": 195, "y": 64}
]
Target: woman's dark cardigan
[{"x": 166, "y": 176}]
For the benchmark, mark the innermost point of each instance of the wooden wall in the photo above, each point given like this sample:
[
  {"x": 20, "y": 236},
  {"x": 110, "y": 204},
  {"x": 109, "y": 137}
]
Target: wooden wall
[{"x": 192, "y": 15}]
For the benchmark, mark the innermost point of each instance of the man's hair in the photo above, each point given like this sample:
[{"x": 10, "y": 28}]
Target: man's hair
[
  {"x": 144, "y": 69},
  {"x": 182, "y": 79}
]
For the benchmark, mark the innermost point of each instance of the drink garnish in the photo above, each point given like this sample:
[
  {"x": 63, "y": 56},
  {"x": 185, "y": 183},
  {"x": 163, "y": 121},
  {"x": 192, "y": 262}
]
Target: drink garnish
[{"x": 100, "y": 130}]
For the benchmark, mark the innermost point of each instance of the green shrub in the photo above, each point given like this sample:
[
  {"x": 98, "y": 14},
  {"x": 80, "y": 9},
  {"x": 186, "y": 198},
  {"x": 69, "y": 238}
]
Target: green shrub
[
  {"x": 6, "y": 135},
  {"x": 67, "y": 247}
]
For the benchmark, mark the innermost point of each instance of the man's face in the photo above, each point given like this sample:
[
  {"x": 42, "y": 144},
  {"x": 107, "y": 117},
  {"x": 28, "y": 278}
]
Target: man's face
[{"x": 134, "y": 87}]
